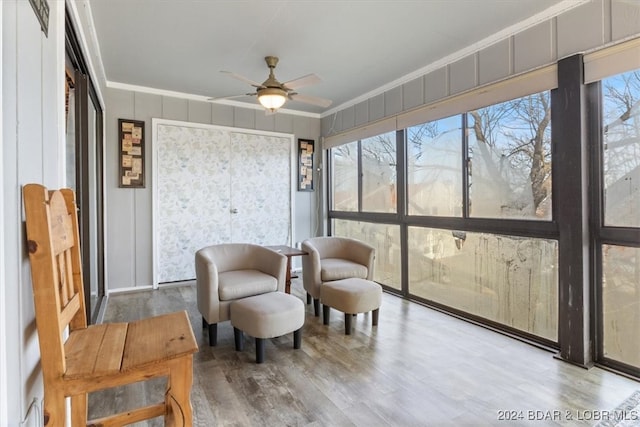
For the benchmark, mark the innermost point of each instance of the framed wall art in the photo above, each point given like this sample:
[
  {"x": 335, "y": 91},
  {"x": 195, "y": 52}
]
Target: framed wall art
[
  {"x": 305, "y": 164},
  {"x": 131, "y": 157}
]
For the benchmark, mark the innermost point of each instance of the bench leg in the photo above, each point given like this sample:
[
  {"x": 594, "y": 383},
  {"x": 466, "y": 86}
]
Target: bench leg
[
  {"x": 374, "y": 317},
  {"x": 326, "y": 310},
  {"x": 297, "y": 338},
  {"x": 259, "y": 350},
  {"x": 238, "y": 338},
  {"x": 347, "y": 323},
  {"x": 213, "y": 334},
  {"x": 177, "y": 397},
  {"x": 316, "y": 306}
]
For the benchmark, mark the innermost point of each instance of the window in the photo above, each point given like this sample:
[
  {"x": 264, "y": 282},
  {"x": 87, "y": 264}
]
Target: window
[
  {"x": 490, "y": 164},
  {"x": 434, "y": 168},
  {"x": 344, "y": 177},
  {"x": 620, "y": 250},
  {"x": 385, "y": 238},
  {"x": 510, "y": 159},
  {"x": 621, "y": 303},
  {"x": 505, "y": 279},
  {"x": 621, "y": 149},
  {"x": 379, "y": 173}
]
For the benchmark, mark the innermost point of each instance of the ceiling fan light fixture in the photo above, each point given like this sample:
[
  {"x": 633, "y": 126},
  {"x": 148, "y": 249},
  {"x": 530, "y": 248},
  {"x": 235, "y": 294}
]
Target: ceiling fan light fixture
[{"x": 272, "y": 98}]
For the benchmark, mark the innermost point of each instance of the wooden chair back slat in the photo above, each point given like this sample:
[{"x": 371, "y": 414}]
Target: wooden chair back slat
[
  {"x": 63, "y": 288},
  {"x": 76, "y": 283},
  {"x": 71, "y": 292}
]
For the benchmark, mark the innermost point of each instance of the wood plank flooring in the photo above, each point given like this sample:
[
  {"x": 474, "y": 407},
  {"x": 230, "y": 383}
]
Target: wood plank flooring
[{"x": 418, "y": 367}]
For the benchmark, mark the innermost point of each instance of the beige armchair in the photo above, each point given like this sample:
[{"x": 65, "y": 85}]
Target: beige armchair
[
  {"x": 230, "y": 271},
  {"x": 333, "y": 258}
]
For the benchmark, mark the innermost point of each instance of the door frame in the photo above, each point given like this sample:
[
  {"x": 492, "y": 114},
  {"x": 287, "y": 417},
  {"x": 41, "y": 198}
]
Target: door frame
[
  {"x": 155, "y": 198},
  {"x": 86, "y": 97}
]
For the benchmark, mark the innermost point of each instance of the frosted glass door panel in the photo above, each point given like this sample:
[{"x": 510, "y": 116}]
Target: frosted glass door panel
[
  {"x": 193, "y": 196},
  {"x": 260, "y": 189}
]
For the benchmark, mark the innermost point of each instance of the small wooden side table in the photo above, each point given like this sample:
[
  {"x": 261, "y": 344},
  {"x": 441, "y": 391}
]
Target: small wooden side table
[{"x": 289, "y": 252}]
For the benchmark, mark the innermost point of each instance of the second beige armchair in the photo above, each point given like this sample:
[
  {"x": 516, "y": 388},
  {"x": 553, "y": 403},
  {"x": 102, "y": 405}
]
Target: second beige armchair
[{"x": 334, "y": 258}]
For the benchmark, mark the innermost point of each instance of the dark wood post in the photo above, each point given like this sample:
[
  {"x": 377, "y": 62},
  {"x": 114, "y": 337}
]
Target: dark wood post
[{"x": 571, "y": 211}]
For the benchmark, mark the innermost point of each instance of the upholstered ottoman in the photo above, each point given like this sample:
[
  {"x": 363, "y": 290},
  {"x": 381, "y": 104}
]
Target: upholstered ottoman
[
  {"x": 351, "y": 296},
  {"x": 267, "y": 316}
]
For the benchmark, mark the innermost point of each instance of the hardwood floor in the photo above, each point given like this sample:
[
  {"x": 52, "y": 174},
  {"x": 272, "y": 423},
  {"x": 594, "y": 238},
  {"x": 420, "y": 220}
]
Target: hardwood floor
[{"x": 418, "y": 367}]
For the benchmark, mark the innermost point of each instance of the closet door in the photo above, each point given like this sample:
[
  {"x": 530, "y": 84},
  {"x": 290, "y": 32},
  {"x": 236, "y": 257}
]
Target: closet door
[
  {"x": 260, "y": 189},
  {"x": 192, "y": 188},
  {"x": 214, "y": 185}
]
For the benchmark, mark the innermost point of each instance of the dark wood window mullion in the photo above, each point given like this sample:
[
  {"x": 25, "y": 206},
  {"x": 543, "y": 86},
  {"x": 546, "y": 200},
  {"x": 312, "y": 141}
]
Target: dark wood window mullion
[
  {"x": 596, "y": 214},
  {"x": 360, "y": 174},
  {"x": 466, "y": 160},
  {"x": 401, "y": 208}
]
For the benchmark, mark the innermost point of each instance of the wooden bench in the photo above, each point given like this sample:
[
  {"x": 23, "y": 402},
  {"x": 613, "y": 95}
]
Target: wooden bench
[{"x": 98, "y": 356}]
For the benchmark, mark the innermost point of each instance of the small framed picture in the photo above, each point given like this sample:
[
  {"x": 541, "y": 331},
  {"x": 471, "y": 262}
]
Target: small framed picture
[
  {"x": 305, "y": 164},
  {"x": 131, "y": 153}
]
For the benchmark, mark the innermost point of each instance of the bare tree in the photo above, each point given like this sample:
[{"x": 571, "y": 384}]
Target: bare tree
[{"x": 519, "y": 131}]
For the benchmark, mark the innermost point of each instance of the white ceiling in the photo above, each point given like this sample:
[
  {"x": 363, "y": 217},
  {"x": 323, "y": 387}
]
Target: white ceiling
[{"x": 357, "y": 47}]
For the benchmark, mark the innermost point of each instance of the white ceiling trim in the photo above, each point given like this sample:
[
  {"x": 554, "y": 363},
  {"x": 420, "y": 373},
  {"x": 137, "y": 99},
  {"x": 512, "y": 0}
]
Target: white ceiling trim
[
  {"x": 201, "y": 98},
  {"x": 549, "y": 13}
]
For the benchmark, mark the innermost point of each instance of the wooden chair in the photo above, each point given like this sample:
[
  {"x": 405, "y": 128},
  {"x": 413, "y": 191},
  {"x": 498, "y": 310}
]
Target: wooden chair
[{"x": 98, "y": 356}]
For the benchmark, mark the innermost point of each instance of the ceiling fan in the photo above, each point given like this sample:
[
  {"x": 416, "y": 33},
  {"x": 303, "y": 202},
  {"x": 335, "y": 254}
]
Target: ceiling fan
[{"x": 272, "y": 94}]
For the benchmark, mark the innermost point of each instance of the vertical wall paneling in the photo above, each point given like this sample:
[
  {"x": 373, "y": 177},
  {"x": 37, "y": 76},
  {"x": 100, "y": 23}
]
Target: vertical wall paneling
[
  {"x": 463, "y": 74},
  {"x": 283, "y": 123},
  {"x": 436, "y": 85},
  {"x": 581, "y": 29},
  {"x": 199, "y": 112},
  {"x": 175, "y": 108},
  {"x": 222, "y": 115},
  {"x": 393, "y": 101},
  {"x": 244, "y": 118},
  {"x": 31, "y": 122},
  {"x": 361, "y": 113},
  {"x": 534, "y": 46},
  {"x": 494, "y": 62},
  {"x": 413, "y": 94},
  {"x": 625, "y": 19},
  {"x": 53, "y": 95},
  {"x": 3, "y": 283},
  {"x": 328, "y": 124},
  {"x": 376, "y": 107},
  {"x": 265, "y": 121},
  {"x": 121, "y": 209},
  {"x": 146, "y": 106},
  {"x": 11, "y": 218},
  {"x": 30, "y": 150},
  {"x": 348, "y": 118}
]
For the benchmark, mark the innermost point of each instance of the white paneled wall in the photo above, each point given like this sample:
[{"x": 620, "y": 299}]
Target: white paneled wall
[{"x": 32, "y": 151}]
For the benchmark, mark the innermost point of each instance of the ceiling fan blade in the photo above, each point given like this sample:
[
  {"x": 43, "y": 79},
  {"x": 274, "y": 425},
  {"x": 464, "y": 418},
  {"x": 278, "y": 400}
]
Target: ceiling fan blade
[
  {"x": 313, "y": 100},
  {"x": 243, "y": 79},
  {"x": 308, "y": 80},
  {"x": 230, "y": 96}
]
